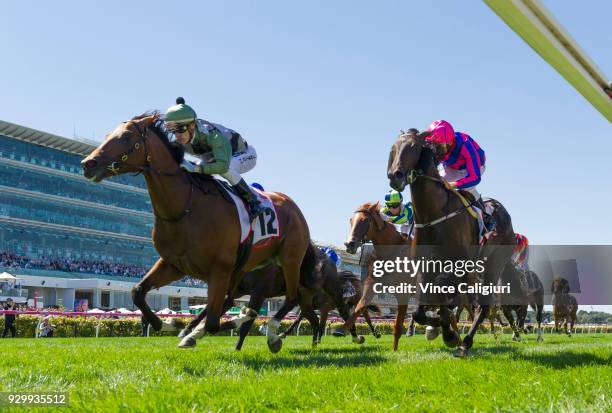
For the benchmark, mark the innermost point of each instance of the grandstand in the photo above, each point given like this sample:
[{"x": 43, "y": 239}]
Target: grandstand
[{"x": 68, "y": 239}]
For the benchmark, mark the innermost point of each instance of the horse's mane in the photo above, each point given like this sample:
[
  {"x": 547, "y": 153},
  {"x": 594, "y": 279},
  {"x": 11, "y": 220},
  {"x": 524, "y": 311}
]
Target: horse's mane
[
  {"x": 374, "y": 206},
  {"x": 158, "y": 127}
]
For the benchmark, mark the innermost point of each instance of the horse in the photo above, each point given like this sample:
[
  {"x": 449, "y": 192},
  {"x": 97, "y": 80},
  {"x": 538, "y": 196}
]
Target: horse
[
  {"x": 196, "y": 230},
  {"x": 352, "y": 287},
  {"x": 565, "y": 305},
  {"x": 268, "y": 282},
  {"x": 531, "y": 293},
  {"x": 368, "y": 226},
  {"x": 444, "y": 220}
]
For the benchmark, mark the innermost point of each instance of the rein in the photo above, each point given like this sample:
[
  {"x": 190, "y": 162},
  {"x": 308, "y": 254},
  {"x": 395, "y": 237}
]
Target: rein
[
  {"x": 418, "y": 173},
  {"x": 115, "y": 166}
]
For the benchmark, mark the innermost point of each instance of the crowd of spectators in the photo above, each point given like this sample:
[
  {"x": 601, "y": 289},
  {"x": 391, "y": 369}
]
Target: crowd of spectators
[{"x": 15, "y": 261}]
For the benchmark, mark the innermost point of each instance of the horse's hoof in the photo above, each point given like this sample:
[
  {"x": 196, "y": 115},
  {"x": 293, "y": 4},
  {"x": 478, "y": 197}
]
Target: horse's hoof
[
  {"x": 282, "y": 335},
  {"x": 461, "y": 352},
  {"x": 187, "y": 342},
  {"x": 275, "y": 346},
  {"x": 359, "y": 339},
  {"x": 377, "y": 335},
  {"x": 183, "y": 333},
  {"x": 339, "y": 332},
  {"x": 452, "y": 340},
  {"x": 432, "y": 332}
]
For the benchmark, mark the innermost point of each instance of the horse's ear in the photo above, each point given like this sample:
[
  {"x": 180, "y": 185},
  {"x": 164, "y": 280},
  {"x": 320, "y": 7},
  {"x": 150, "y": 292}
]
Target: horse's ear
[
  {"x": 376, "y": 216},
  {"x": 422, "y": 135}
]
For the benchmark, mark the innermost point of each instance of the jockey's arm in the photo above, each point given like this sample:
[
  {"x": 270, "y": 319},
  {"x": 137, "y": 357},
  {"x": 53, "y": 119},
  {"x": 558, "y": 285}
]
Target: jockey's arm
[
  {"x": 472, "y": 166},
  {"x": 222, "y": 153}
]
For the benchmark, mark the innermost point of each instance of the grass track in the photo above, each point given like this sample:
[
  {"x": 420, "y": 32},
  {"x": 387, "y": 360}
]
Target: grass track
[{"x": 152, "y": 375}]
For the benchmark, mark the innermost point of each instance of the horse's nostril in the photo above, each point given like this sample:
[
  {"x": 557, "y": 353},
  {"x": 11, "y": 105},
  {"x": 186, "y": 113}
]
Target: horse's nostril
[
  {"x": 89, "y": 164},
  {"x": 398, "y": 175}
]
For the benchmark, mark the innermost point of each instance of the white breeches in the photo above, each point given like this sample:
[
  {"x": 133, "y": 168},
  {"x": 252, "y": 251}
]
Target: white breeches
[
  {"x": 453, "y": 175},
  {"x": 240, "y": 163}
]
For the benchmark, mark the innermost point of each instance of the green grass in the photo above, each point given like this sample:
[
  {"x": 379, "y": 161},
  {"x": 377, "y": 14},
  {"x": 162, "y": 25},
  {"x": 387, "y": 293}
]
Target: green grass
[{"x": 152, "y": 375}]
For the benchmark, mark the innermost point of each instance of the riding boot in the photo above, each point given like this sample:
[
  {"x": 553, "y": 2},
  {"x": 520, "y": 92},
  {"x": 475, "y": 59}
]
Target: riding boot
[
  {"x": 250, "y": 198},
  {"x": 488, "y": 220}
]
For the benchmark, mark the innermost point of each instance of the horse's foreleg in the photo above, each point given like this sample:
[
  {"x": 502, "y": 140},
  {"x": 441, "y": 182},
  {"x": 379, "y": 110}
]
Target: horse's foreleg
[
  {"x": 364, "y": 301},
  {"x": 449, "y": 335},
  {"x": 398, "y": 326},
  {"x": 255, "y": 302},
  {"x": 468, "y": 340},
  {"x": 290, "y": 263},
  {"x": 293, "y": 325},
  {"x": 159, "y": 275},
  {"x": 218, "y": 300},
  {"x": 323, "y": 322},
  {"x": 311, "y": 316},
  {"x": 507, "y": 310},
  {"x": 368, "y": 320}
]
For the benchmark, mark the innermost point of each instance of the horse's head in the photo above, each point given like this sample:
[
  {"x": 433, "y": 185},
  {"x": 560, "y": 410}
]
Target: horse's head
[
  {"x": 129, "y": 149},
  {"x": 365, "y": 222},
  {"x": 560, "y": 286},
  {"x": 404, "y": 157}
]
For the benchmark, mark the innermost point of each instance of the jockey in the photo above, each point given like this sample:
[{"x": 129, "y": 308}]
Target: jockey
[
  {"x": 332, "y": 255},
  {"x": 520, "y": 254},
  {"x": 397, "y": 213},
  {"x": 221, "y": 151},
  {"x": 461, "y": 162}
]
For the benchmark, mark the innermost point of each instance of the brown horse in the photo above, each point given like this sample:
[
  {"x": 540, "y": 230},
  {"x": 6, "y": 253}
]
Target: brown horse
[
  {"x": 565, "y": 305},
  {"x": 368, "y": 226},
  {"x": 196, "y": 231},
  {"x": 351, "y": 284},
  {"x": 443, "y": 221}
]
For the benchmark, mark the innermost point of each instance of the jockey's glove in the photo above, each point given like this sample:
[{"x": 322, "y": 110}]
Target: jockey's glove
[{"x": 191, "y": 167}]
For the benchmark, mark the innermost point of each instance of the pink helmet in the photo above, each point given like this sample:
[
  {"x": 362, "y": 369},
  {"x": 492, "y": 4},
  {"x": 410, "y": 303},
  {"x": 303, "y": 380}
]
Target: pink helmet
[{"x": 441, "y": 132}]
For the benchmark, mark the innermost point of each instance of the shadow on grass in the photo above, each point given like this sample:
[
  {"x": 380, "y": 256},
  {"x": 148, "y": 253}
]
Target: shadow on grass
[
  {"x": 337, "y": 350},
  {"x": 300, "y": 359},
  {"x": 558, "y": 360},
  {"x": 566, "y": 359}
]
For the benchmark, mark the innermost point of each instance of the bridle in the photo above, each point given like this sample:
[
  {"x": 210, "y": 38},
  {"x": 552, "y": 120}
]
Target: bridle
[
  {"x": 411, "y": 177},
  {"x": 115, "y": 166}
]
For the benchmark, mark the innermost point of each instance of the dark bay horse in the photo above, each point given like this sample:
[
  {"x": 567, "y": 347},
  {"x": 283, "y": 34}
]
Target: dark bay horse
[
  {"x": 444, "y": 222},
  {"x": 268, "y": 282},
  {"x": 529, "y": 291},
  {"x": 196, "y": 231},
  {"x": 565, "y": 305},
  {"x": 351, "y": 284}
]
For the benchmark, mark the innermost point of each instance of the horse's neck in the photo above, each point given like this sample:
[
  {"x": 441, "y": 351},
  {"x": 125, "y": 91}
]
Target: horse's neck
[
  {"x": 388, "y": 235},
  {"x": 169, "y": 192},
  {"x": 429, "y": 197}
]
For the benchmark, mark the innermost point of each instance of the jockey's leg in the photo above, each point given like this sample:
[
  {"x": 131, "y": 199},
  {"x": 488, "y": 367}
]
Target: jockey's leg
[
  {"x": 239, "y": 164},
  {"x": 159, "y": 275}
]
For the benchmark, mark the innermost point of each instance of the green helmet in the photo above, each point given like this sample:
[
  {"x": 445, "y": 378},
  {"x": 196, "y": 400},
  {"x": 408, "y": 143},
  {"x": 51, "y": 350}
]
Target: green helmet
[
  {"x": 180, "y": 113},
  {"x": 393, "y": 198}
]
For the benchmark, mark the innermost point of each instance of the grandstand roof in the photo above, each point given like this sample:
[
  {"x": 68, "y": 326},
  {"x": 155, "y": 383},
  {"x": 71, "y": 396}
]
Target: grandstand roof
[{"x": 22, "y": 133}]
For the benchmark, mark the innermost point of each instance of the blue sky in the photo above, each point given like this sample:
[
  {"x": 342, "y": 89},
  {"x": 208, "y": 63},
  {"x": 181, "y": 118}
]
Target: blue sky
[{"x": 321, "y": 90}]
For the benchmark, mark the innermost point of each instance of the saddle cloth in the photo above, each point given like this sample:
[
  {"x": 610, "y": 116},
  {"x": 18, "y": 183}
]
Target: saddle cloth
[
  {"x": 264, "y": 226},
  {"x": 483, "y": 235}
]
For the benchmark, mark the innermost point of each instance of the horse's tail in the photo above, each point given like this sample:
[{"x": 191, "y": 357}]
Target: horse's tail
[{"x": 308, "y": 264}]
